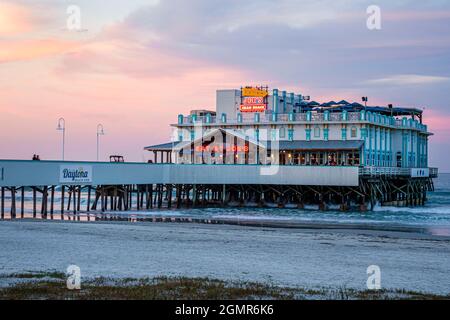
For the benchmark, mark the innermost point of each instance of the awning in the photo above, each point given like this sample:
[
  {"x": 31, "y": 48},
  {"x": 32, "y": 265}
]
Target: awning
[
  {"x": 282, "y": 145},
  {"x": 318, "y": 145},
  {"x": 162, "y": 147}
]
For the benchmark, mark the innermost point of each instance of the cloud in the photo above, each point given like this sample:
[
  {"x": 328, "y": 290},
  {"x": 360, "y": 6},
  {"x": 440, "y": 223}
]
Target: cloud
[
  {"x": 408, "y": 79},
  {"x": 14, "y": 19},
  {"x": 20, "y": 17},
  {"x": 13, "y": 50},
  {"x": 167, "y": 58}
]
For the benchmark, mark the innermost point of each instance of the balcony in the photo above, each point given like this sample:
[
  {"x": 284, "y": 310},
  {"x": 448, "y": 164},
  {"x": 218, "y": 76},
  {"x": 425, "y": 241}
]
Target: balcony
[{"x": 307, "y": 117}]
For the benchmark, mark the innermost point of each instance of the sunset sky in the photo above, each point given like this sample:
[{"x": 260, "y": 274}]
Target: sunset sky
[{"x": 136, "y": 64}]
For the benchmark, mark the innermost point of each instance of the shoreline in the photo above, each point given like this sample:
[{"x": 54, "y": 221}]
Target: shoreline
[
  {"x": 286, "y": 257},
  {"x": 378, "y": 228}
]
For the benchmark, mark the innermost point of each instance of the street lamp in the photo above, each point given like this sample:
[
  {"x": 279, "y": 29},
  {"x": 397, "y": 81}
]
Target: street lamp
[
  {"x": 100, "y": 132},
  {"x": 365, "y": 99},
  {"x": 62, "y": 127}
]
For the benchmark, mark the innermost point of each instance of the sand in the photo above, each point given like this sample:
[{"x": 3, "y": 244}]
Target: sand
[{"x": 306, "y": 257}]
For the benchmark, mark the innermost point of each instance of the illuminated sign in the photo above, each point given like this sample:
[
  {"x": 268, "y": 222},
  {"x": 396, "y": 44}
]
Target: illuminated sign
[
  {"x": 253, "y": 107},
  {"x": 217, "y": 149},
  {"x": 254, "y": 92},
  {"x": 253, "y": 100}
]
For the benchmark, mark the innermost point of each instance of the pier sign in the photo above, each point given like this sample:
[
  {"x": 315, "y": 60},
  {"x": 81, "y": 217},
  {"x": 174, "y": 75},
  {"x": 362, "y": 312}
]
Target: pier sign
[
  {"x": 75, "y": 173},
  {"x": 420, "y": 173}
]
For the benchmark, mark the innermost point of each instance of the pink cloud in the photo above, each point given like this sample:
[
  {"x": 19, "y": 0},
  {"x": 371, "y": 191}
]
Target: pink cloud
[
  {"x": 135, "y": 91},
  {"x": 15, "y": 50},
  {"x": 14, "y": 19},
  {"x": 437, "y": 123}
]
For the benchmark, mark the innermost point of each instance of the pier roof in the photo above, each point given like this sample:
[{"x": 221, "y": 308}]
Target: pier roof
[
  {"x": 282, "y": 145},
  {"x": 342, "y": 105},
  {"x": 168, "y": 146},
  {"x": 318, "y": 145}
]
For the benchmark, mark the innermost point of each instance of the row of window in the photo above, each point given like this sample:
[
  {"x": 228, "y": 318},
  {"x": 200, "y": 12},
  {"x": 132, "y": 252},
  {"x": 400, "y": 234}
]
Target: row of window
[{"x": 289, "y": 133}]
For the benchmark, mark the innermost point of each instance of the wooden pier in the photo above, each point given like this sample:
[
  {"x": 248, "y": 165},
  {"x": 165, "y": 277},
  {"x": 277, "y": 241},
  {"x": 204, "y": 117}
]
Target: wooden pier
[{"x": 188, "y": 186}]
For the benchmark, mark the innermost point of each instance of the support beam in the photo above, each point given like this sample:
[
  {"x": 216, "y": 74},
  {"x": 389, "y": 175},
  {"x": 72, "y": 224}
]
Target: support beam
[{"x": 2, "y": 205}]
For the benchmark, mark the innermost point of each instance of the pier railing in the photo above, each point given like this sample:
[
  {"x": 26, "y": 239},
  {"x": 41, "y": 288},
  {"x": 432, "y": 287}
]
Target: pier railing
[
  {"x": 29, "y": 173},
  {"x": 40, "y": 173},
  {"x": 115, "y": 183},
  {"x": 394, "y": 171},
  {"x": 306, "y": 117},
  {"x": 434, "y": 172}
]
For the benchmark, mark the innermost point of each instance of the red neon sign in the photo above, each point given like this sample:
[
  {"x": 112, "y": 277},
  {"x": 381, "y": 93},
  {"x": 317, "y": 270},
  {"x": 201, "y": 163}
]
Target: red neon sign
[
  {"x": 253, "y": 100},
  {"x": 253, "y": 108},
  {"x": 217, "y": 149}
]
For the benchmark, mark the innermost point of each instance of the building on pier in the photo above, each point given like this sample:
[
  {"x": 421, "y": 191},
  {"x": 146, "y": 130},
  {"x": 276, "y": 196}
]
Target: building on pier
[{"x": 251, "y": 126}]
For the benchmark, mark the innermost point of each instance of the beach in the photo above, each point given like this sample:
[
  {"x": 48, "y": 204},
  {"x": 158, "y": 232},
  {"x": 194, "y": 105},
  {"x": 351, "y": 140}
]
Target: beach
[{"x": 290, "y": 257}]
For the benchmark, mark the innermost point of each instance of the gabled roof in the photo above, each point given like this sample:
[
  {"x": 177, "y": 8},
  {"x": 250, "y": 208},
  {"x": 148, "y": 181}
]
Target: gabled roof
[{"x": 180, "y": 145}]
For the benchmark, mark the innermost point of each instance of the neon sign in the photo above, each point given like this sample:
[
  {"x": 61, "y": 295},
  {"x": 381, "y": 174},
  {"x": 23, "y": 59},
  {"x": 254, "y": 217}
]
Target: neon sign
[
  {"x": 217, "y": 149},
  {"x": 254, "y": 92},
  {"x": 254, "y": 99},
  {"x": 253, "y": 108}
]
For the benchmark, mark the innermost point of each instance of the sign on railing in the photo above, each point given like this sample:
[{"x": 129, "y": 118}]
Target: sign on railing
[
  {"x": 72, "y": 174},
  {"x": 394, "y": 171}
]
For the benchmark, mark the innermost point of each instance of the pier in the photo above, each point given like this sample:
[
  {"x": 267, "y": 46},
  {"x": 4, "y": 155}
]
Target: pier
[{"x": 57, "y": 188}]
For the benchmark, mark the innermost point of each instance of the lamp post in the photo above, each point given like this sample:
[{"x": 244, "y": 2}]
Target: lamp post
[
  {"x": 100, "y": 132},
  {"x": 62, "y": 127},
  {"x": 365, "y": 99}
]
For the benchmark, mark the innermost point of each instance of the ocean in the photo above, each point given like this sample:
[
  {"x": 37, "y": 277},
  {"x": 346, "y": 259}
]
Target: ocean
[
  {"x": 435, "y": 214},
  {"x": 305, "y": 257}
]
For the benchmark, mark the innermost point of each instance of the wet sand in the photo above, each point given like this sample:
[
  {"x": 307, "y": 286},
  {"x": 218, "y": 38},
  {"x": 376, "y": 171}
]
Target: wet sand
[{"x": 309, "y": 256}]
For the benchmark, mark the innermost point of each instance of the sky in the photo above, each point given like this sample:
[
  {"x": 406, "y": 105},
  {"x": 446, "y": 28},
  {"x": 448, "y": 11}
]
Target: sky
[{"x": 134, "y": 65}]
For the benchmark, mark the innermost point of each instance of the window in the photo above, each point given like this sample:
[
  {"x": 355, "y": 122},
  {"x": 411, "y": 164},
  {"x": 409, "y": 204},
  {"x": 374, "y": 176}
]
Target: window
[
  {"x": 354, "y": 132},
  {"x": 291, "y": 134},
  {"x": 308, "y": 134},
  {"x": 282, "y": 132},
  {"x": 274, "y": 134},
  {"x": 316, "y": 132}
]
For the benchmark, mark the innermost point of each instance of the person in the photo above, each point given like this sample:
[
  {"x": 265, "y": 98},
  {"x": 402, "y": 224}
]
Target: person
[{"x": 34, "y": 157}]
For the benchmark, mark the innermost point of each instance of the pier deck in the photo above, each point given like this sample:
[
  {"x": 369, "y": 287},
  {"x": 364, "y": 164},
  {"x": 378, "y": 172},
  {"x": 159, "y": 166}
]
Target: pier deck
[{"x": 124, "y": 186}]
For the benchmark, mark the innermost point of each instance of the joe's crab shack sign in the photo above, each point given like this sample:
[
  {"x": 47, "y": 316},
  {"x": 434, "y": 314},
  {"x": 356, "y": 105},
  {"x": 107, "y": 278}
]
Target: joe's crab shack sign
[{"x": 254, "y": 99}]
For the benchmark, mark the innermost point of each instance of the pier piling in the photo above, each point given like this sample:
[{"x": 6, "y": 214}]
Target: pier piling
[{"x": 384, "y": 190}]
